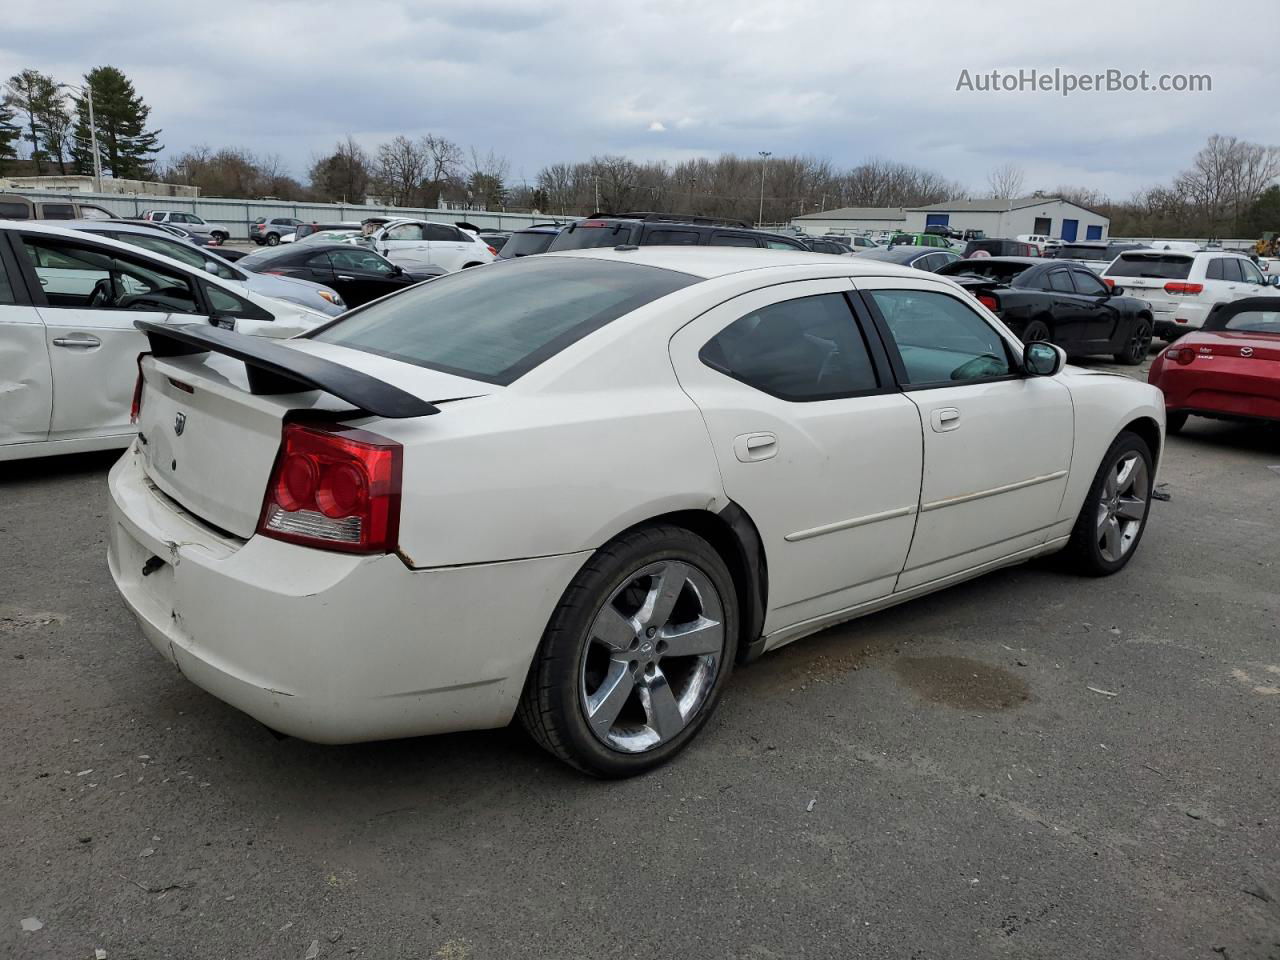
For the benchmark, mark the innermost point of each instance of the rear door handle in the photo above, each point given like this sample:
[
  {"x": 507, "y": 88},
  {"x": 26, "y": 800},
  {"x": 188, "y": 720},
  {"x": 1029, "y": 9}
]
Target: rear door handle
[
  {"x": 748, "y": 447},
  {"x": 944, "y": 419},
  {"x": 342, "y": 277},
  {"x": 76, "y": 342}
]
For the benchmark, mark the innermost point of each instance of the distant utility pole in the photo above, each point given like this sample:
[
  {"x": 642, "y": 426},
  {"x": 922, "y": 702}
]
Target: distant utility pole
[
  {"x": 597, "y": 179},
  {"x": 87, "y": 90},
  {"x": 764, "y": 162}
]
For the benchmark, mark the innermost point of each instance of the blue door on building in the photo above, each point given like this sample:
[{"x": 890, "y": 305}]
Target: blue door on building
[
  {"x": 1093, "y": 231},
  {"x": 937, "y": 219},
  {"x": 1069, "y": 230}
]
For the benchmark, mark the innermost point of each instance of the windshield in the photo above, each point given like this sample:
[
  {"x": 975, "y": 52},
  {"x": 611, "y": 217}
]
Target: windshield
[
  {"x": 1154, "y": 265},
  {"x": 496, "y": 323},
  {"x": 595, "y": 233},
  {"x": 1248, "y": 321},
  {"x": 526, "y": 244}
]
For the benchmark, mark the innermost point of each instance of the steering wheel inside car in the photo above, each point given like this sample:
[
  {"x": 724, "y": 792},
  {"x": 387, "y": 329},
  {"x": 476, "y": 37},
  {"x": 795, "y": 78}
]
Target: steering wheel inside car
[{"x": 102, "y": 295}]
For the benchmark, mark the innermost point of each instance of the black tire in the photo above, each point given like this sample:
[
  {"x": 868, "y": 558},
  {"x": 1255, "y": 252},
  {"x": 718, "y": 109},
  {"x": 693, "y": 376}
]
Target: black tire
[
  {"x": 1036, "y": 331},
  {"x": 220, "y": 236},
  {"x": 1084, "y": 554},
  {"x": 550, "y": 707},
  {"x": 1139, "y": 343},
  {"x": 273, "y": 239},
  {"x": 1174, "y": 422}
]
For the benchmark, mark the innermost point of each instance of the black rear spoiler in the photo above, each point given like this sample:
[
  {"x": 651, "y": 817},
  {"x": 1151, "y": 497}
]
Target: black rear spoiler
[
  {"x": 974, "y": 283},
  {"x": 274, "y": 368}
]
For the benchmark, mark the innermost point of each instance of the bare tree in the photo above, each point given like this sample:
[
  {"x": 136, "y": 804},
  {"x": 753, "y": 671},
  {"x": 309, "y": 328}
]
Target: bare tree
[
  {"x": 402, "y": 167},
  {"x": 444, "y": 163},
  {"x": 343, "y": 175},
  {"x": 1005, "y": 181}
]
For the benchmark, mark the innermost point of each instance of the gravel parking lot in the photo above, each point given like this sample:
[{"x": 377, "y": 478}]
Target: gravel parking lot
[{"x": 1027, "y": 765}]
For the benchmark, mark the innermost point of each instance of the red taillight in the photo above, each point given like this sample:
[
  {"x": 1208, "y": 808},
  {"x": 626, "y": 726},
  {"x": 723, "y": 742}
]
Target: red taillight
[
  {"x": 988, "y": 301},
  {"x": 135, "y": 408},
  {"x": 1109, "y": 282},
  {"x": 334, "y": 488},
  {"x": 493, "y": 250},
  {"x": 1180, "y": 355},
  {"x": 1186, "y": 289}
]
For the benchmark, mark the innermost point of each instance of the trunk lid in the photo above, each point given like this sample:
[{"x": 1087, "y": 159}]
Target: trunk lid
[
  {"x": 210, "y": 443},
  {"x": 1239, "y": 345}
]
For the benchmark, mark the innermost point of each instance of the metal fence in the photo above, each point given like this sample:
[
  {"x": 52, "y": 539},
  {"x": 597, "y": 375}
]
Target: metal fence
[{"x": 237, "y": 215}]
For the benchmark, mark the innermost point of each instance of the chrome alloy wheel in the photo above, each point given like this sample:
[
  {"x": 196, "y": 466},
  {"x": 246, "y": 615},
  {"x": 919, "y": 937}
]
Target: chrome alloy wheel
[
  {"x": 1122, "y": 508},
  {"x": 652, "y": 656}
]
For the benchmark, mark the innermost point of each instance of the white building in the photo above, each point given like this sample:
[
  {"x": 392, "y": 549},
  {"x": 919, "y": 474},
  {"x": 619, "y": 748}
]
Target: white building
[
  {"x": 851, "y": 220},
  {"x": 1046, "y": 216}
]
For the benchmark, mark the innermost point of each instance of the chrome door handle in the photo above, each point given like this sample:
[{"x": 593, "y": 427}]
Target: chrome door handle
[
  {"x": 944, "y": 419},
  {"x": 755, "y": 446},
  {"x": 341, "y": 277},
  {"x": 76, "y": 342}
]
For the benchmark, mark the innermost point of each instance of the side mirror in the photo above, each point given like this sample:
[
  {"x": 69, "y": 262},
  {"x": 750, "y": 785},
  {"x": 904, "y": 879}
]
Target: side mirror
[
  {"x": 1041, "y": 359},
  {"x": 210, "y": 267},
  {"x": 1117, "y": 291},
  {"x": 226, "y": 323},
  {"x": 1272, "y": 280},
  {"x": 397, "y": 269}
]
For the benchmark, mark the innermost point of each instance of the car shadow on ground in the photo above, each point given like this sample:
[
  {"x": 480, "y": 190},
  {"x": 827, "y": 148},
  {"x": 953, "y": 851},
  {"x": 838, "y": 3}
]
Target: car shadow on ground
[{"x": 67, "y": 465}]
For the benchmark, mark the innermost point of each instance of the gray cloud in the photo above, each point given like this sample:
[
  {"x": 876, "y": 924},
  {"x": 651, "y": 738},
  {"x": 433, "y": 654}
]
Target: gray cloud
[{"x": 563, "y": 79}]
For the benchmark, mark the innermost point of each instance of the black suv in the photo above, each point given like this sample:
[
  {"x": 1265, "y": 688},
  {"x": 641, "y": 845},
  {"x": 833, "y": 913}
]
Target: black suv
[{"x": 650, "y": 229}]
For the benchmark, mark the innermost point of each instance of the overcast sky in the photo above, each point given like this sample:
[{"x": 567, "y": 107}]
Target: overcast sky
[{"x": 550, "y": 80}]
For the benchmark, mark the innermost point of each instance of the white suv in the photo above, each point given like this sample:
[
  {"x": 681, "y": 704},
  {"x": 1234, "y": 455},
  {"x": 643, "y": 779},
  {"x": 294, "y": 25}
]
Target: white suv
[
  {"x": 418, "y": 244},
  {"x": 1182, "y": 287},
  {"x": 189, "y": 222}
]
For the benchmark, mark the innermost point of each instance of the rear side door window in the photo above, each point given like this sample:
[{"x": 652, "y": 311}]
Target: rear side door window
[
  {"x": 1213, "y": 271},
  {"x": 667, "y": 237},
  {"x": 1231, "y": 270},
  {"x": 1060, "y": 282},
  {"x": 57, "y": 211},
  {"x": 799, "y": 350},
  {"x": 732, "y": 240}
]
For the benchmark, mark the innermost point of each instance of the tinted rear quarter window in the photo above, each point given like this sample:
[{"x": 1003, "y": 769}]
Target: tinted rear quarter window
[
  {"x": 732, "y": 240},
  {"x": 667, "y": 236},
  {"x": 9, "y": 210},
  {"x": 497, "y": 324},
  {"x": 58, "y": 211},
  {"x": 1160, "y": 267}
]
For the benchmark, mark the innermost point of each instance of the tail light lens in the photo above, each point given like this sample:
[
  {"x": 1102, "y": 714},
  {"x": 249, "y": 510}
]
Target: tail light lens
[
  {"x": 334, "y": 488},
  {"x": 1180, "y": 355},
  {"x": 1183, "y": 289},
  {"x": 988, "y": 301},
  {"x": 493, "y": 250},
  {"x": 135, "y": 407},
  {"x": 1109, "y": 282}
]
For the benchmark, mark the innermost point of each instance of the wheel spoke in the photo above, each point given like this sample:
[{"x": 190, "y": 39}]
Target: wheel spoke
[
  {"x": 1111, "y": 539},
  {"x": 1111, "y": 486},
  {"x": 691, "y": 639},
  {"x": 1131, "y": 508},
  {"x": 663, "y": 594},
  {"x": 1124, "y": 476},
  {"x": 605, "y": 704},
  {"x": 613, "y": 629},
  {"x": 660, "y": 706}
]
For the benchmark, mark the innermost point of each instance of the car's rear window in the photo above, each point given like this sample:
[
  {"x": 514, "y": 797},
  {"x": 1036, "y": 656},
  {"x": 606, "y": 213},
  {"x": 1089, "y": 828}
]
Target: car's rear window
[
  {"x": 584, "y": 236},
  {"x": 1248, "y": 321},
  {"x": 498, "y": 322},
  {"x": 1073, "y": 251},
  {"x": 1158, "y": 266},
  {"x": 14, "y": 211},
  {"x": 984, "y": 267},
  {"x": 526, "y": 244}
]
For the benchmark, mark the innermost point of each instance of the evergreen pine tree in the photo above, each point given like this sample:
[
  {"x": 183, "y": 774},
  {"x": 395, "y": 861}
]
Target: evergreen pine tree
[
  {"x": 127, "y": 148},
  {"x": 9, "y": 132}
]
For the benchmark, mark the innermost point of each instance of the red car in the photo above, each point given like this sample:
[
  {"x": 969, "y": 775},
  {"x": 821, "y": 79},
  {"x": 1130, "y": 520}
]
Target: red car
[{"x": 1228, "y": 370}]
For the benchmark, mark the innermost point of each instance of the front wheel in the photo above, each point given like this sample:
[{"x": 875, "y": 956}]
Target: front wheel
[
  {"x": 1114, "y": 516},
  {"x": 1138, "y": 345},
  {"x": 1035, "y": 331},
  {"x": 635, "y": 656},
  {"x": 220, "y": 237}
]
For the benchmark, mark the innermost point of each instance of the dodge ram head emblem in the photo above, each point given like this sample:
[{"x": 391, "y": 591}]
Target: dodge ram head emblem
[{"x": 179, "y": 424}]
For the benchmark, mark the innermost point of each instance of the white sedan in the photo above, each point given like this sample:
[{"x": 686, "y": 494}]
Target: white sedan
[
  {"x": 68, "y": 346},
  {"x": 580, "y": 487}
]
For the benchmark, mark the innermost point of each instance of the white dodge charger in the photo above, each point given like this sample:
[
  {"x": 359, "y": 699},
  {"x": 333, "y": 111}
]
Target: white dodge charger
[{"x": 581, "y": 487}]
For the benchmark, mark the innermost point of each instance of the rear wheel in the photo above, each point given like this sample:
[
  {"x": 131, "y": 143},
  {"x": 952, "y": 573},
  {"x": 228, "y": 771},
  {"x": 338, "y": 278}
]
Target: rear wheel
[
  {"x": 1174, "y": 422},
  {"x": 1114, "y": 515},
  {"x": 273, "y": 239},
  {"x": 1139, "y": 343},
  {"x": 1035, "y": 331},
  {"x": 635, "y": 656},
  {"x": 221, "y": 237}
]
